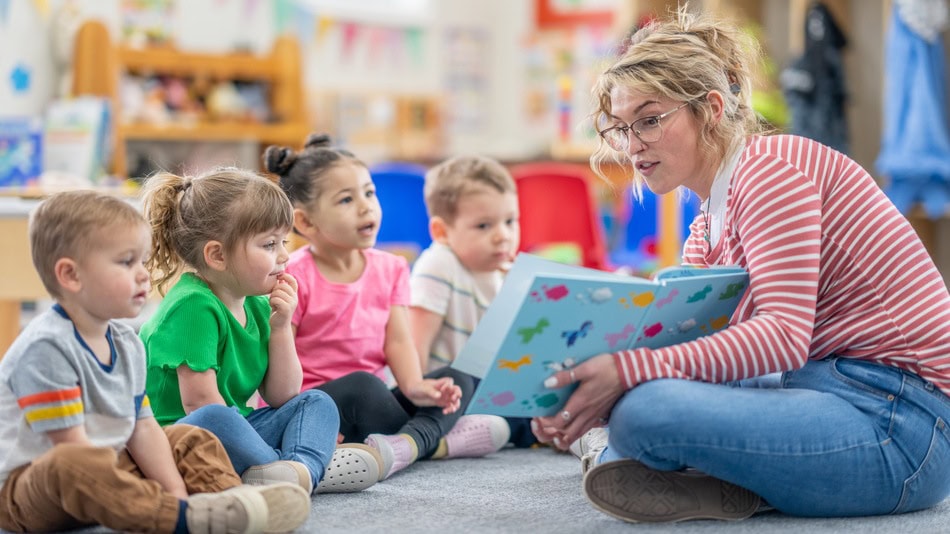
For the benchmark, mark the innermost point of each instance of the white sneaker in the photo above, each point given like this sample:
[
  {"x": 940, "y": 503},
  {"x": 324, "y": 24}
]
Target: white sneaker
[
  {"x": 354, "y": 467},
  {"x": 589, "y": 446}
]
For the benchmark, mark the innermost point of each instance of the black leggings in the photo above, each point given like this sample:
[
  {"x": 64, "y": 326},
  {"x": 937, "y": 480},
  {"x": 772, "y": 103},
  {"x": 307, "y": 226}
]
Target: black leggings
[{"x": 367, "y": 406}]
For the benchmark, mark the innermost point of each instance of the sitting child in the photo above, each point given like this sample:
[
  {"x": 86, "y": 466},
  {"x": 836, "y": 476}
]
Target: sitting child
[
  {"x": 352, "y": 319},
  {"x": 223, "y": 332},
  {"x": 79, "y": 445},
  {"x": 473, "y": 219}
]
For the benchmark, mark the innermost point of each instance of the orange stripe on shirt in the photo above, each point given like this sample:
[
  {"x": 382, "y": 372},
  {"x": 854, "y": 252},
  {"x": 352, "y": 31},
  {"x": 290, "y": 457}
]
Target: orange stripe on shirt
[{"x": 50, "y": 396}]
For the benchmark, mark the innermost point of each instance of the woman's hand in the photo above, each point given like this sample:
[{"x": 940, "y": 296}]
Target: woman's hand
[
  {"x": 441, "y": 392},
  {"x": 283, "y": 301},
  {"x": 599, "y": 388}
]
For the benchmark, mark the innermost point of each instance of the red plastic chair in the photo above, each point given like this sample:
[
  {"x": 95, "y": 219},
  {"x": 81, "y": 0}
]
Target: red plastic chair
[{"x": 558, "y": 206}]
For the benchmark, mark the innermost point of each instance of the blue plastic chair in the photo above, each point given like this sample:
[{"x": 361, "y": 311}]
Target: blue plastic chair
[
  {"x": 405, "y": 226},
  {"x": 637, "y": 247}
]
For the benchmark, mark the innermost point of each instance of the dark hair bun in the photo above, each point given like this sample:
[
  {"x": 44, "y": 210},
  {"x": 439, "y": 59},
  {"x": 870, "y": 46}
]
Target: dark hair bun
[
  {"x": 279, "y": 159},
  {"x": 318, "y": 141}
]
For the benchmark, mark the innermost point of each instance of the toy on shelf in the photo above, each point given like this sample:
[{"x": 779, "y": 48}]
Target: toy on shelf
[{"x": 172, "y": 95}]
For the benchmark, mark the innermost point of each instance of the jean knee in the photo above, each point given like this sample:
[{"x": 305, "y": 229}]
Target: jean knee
[
  {"x": 314, "y": 400},
  {"x": 213, "y": 417},
  {"x": 647, "y": 412}
]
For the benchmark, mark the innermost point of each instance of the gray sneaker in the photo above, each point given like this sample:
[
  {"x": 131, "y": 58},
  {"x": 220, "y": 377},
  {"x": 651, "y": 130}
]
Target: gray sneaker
[
  {"x": 589, "y": 446},
  {"x": 248, "y": 509},
  {"x": 633, "y": 492}
]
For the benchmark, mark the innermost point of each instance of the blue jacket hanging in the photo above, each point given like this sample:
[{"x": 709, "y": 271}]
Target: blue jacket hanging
[{"x": 915, "y": 146}]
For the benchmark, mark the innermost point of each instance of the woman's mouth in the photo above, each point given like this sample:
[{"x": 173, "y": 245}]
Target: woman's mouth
[{"x": 646, "y": 167}]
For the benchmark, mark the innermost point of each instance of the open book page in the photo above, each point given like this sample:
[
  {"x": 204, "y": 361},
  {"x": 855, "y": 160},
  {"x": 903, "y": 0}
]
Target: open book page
[
  {"x": 478, "y": 353},
  {"x": 544, "y": 322}
]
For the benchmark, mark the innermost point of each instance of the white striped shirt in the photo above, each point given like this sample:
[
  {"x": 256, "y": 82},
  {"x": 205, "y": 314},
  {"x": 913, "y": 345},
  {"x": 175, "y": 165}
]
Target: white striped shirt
[{"x": 834, "y": 269}]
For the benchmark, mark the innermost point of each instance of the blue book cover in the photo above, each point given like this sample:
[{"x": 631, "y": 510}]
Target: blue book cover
[{"x": 549, "y": 317}]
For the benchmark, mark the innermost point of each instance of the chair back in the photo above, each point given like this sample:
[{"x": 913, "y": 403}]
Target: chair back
[
  {"x": 558, "y": 207},
  {"x": 637, "y": 246},
  {"x": 405, "y": 226}
]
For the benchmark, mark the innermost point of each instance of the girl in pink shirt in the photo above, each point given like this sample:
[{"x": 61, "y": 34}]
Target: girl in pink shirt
[{"x": 352, "y": 319}]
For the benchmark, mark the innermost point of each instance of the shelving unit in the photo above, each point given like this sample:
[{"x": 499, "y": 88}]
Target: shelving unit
[{"x": 99, "y": 63}]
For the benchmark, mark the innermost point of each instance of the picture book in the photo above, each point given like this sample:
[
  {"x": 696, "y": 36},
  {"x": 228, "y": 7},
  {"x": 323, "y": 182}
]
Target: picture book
[{"x": 549, "y": 317}]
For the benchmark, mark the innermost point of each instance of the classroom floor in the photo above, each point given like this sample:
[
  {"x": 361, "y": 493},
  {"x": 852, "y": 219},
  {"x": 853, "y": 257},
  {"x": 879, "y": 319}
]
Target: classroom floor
[{"x": 538, "y": 490}]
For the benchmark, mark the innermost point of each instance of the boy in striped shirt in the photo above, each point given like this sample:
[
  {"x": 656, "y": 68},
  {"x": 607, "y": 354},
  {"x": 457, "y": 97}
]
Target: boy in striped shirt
[{"x": 79, "y": 445}]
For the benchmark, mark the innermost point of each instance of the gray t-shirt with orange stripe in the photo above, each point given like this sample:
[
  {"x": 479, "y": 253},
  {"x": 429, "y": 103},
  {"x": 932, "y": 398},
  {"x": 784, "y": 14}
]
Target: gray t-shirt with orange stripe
[{"x": 50, "y": 380}]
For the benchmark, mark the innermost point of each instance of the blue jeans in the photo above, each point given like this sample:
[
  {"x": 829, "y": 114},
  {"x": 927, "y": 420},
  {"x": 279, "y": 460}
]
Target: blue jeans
[
  {"x": 304, "y": 429},
  {"x": 837, "y": 437}
]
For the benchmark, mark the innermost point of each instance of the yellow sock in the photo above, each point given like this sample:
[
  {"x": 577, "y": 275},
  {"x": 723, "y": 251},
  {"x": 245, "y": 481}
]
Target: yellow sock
[
  {"x": 413, "y": 446},
  {"x": 442, "y": 450}
]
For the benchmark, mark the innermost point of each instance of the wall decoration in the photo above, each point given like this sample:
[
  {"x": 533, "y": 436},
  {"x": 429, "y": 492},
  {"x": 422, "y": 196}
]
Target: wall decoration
[
  {"x": 20, "y": 78},
  {"x": 564, "y": 13},
  {"x": 467, "y": 80}
]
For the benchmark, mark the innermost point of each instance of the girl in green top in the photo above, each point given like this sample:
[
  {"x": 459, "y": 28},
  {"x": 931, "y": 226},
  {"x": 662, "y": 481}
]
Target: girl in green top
[{"x": 223, "y": 333}]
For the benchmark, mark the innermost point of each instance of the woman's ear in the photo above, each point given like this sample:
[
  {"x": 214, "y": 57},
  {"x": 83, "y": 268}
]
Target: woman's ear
[
  {"x": 438, "y": 229},
  {"x": 717, "y": 105},
  {"x": 214, "y": 255},
  {"x": 67, "y": 275}
]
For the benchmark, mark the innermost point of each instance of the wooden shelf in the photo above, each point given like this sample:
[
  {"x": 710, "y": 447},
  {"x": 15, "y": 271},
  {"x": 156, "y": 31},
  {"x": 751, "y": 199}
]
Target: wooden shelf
[
  {"x": 286, "y": 134},
  {"x": 99, "y": 64},
  {"x": 173, "y": 62}
]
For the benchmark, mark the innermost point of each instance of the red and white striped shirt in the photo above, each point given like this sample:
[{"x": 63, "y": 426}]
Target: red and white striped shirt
[{"x": 834, "y": 269}]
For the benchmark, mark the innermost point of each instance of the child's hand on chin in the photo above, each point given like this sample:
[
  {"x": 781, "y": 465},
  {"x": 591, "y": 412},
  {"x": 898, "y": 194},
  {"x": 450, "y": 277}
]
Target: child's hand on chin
[{"x": 283, "y": 300}]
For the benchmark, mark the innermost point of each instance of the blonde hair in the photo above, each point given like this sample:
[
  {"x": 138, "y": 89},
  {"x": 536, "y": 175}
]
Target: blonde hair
[
  {"x": 450, "y": 180},
  {"x": 226, "y": 205},
  {"x": 69, "y": 225},
  {"x": 683, "y": 59}
]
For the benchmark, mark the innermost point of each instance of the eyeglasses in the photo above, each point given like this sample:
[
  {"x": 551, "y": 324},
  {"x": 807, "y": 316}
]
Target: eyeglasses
[{"x": 646, "y": 129}]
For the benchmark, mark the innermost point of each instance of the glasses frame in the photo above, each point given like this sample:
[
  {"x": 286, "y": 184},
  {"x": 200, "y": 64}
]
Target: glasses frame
[{"x": 626, "y": 128}]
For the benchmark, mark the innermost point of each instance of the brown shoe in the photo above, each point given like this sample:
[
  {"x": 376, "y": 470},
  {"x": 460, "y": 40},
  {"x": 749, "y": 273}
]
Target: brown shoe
[{"x": 633, "y": 492}]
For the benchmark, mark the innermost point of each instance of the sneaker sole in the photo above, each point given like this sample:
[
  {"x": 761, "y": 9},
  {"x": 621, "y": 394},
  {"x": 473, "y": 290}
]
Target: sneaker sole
[
  {"x": 631, "y": 491},
  {"x": 356, "y": 472},
  {"x": 288, "y": 506}
]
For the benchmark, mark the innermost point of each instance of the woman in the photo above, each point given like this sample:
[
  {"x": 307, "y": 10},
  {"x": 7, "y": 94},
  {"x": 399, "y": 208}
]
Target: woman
[{"x": 827, "y": 395}]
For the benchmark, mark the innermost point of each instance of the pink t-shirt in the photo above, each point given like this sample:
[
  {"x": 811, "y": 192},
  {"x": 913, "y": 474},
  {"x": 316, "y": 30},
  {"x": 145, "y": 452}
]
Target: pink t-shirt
[{"x": 341, "y": 328}]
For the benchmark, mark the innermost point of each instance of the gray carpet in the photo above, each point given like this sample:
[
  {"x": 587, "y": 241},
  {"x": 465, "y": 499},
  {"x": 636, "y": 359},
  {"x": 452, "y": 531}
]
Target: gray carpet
[{"x": 538, "y": 490}]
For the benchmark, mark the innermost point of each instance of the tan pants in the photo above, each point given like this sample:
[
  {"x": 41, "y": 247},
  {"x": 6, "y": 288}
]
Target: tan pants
[{"x": 73, "y": 486}]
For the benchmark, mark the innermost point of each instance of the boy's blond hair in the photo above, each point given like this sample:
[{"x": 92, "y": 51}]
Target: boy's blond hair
[
  {"x": 452, "y": 179},
  {"x": 69, "y": 225}
]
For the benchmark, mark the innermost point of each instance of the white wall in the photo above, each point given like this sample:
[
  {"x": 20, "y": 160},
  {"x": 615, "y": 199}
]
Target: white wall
[{"x": 20, "y": 48}]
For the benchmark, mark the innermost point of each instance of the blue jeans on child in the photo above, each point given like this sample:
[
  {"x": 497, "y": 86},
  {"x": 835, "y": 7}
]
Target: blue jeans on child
[
  {"x": 304, "y": 429},
  {"x": 838, "y": 437}
]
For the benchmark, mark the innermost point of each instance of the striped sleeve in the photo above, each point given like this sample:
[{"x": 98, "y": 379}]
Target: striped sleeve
[
  {"x": 777, "y": 212},
  {"x": 47, "y": 390}
]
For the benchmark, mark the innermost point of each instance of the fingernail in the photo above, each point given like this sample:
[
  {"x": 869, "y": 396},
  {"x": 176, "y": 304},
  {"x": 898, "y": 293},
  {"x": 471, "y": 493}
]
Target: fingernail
[
  {"x": 550, "y": 382},
  {"x": 557, "y": 442},
  {"x": 534, "y": 425}
]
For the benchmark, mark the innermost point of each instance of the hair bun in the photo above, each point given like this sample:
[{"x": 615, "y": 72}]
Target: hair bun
[
  {"x": 279, "y": 159},
  {"x": 318, "y": 141}
]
